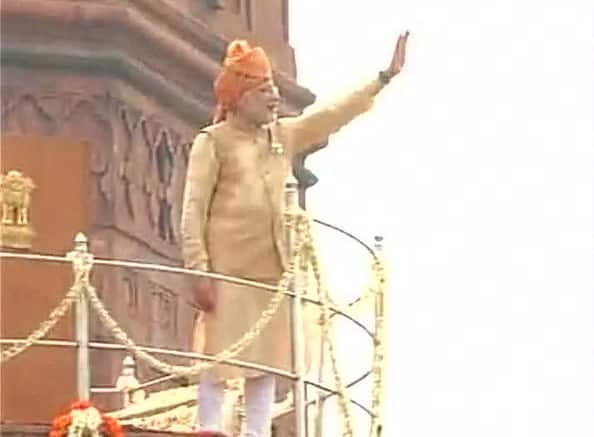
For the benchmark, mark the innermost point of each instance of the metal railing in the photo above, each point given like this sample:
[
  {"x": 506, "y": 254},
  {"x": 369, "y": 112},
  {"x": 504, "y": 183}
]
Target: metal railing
[{"x": 85, "y": 299}]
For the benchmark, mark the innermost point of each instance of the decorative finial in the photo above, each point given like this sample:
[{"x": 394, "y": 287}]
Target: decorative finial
[
  {"x": 81, "y": 242},
  {"x": 81, "y": 258},
  {"x": 379, "y": 242},
  {"x": 128, "y": 384},
  {"x": 128, "y": 362}
]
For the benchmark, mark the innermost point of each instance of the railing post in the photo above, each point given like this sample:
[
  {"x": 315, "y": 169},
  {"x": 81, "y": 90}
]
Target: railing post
[
  {"x": 301, "y": 288},
  {"x": 82, "y": 263},
  {"x": 319, "y": 425},
  {"x": 321, "y": 399},
  {"x": 297, "y": 341},
  {"x": 378, "y": 353}
]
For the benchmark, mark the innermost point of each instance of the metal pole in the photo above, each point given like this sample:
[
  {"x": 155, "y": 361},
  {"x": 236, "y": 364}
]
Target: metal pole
[
  {"x": 82, "y": 337},
  {"x": 302, "y": 287},
  {"x": 82, "y": 262},
  {"x": 379, "y": 359},
  {"x": 292, "y": 205},
  {"x": 321, "y": 396}
]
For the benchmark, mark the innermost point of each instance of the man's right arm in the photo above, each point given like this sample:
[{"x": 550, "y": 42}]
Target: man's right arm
[{"x": 201, "y": 179}]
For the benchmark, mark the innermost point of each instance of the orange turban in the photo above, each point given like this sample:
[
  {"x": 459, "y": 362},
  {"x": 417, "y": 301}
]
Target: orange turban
[{"x": 244, "y": 67}]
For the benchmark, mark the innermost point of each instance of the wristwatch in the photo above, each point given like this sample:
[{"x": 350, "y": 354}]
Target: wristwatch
[{"x": 384, "y": 77}]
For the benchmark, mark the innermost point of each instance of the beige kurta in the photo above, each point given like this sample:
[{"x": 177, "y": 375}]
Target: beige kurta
[{"x": 233, "y": 222}]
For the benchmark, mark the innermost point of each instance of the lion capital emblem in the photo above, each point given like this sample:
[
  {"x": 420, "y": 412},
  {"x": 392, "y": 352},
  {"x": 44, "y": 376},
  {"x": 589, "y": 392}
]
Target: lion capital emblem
[{"x": 15, "y": 198}]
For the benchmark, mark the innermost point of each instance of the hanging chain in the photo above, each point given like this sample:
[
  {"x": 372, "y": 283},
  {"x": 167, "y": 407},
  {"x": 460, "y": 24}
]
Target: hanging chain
[
  {"x": 379, "y": 285},
  {"x": 304, "y": 253},
  {"x": 232, "y": 351},
  {"x": 326, "y": 322},
  {"x": 57, "y": 313}
]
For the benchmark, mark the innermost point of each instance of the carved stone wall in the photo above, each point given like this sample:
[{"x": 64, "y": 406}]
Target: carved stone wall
[
  {"x": 138, "y": 160},
  {"x": 133, "y": 81},
  {"x": 267, "y": 22}
]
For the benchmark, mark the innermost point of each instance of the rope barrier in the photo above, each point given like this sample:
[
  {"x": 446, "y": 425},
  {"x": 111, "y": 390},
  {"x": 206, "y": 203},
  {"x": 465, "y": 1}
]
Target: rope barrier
[{"x": 304, "y": 255}]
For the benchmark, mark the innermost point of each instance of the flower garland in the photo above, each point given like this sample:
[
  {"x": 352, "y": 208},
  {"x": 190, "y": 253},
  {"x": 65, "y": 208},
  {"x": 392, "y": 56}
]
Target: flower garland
[{"x": 84, "y": 420}]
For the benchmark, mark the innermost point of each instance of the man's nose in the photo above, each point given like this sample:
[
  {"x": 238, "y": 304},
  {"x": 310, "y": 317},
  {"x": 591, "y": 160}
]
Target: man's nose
[{"x": 275, "y": 95}]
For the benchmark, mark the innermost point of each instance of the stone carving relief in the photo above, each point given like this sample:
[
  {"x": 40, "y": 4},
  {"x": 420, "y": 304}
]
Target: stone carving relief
[
  {"x": 25, "y": 113},
  {"x": 148, "y": 310},
  {"x": 151, "y": 175},
  {"x": 137, "y": 162},
  {"x": 164, "y": 304}
]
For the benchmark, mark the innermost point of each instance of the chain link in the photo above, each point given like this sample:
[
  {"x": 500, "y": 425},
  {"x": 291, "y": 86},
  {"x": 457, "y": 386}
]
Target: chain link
[
  {"x": 374, "y": 291},
  {"x": 378, "y": 286},
  {"x": 304, "y": 253},
  {"x": 57, "y": 313},
  {"x": 326, "y": 322},
  {"x": 235, "y": 349}
]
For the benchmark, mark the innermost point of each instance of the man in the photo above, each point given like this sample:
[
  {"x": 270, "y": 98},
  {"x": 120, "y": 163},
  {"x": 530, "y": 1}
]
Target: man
[{"x": 232, "y": 219}]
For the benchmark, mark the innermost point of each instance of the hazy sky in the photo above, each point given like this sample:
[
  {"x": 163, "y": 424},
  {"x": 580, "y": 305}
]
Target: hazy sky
[{"x": 476, "y": 164}]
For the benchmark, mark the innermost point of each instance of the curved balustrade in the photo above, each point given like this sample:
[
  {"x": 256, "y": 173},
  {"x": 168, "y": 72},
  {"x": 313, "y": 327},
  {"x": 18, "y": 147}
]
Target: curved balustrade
[
  {"x": 333, "y": 309},
  {"x": 180, "y": 270}
]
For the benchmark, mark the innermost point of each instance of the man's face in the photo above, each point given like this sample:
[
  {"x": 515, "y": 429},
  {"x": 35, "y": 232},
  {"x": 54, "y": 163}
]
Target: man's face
[{"x": 259, "y": 105}]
